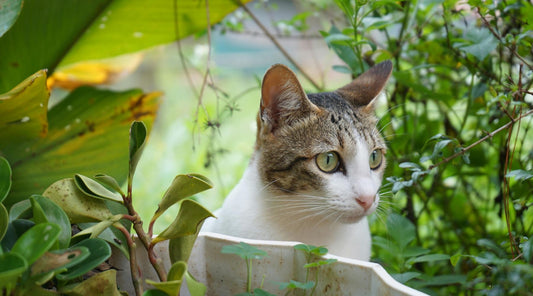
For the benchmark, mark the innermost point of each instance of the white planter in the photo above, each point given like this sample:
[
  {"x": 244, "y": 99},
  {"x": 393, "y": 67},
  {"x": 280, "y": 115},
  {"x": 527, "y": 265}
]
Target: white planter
[{"x": 225, "y": 274}]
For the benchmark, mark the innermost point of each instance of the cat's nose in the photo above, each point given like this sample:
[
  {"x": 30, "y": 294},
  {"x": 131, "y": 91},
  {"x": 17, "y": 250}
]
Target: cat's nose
[{"x": 365, "y": 201}]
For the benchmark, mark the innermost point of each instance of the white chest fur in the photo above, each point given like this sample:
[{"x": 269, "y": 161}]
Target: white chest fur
[{"x": 248, "y": 212}]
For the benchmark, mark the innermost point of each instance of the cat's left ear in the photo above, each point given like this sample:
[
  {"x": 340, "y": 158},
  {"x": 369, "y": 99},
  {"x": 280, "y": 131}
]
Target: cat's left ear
[{"x": 364, "y": 89}]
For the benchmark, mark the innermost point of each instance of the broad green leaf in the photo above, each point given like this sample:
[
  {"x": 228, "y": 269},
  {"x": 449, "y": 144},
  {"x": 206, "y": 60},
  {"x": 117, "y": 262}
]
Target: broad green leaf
[
  {"x": 195, "y": 287},
  {"x": 428, "y": 258},
  {"x": 244, "y": 250},
  {"x": 102, "y": 283},
  {"x": 59, "y": 259},
  {"x": 15, "y": 230},
  {"x": 9, "y": 12},
  {"x": 93, "y": 30},
  {"x": 38, "y": 213},
  {"x": 520, "y": 175},
  {"x": 400, "y": 229},
  {"x": 20, "y": 210},
  {"x": 177, "y": 270},
  {"x": 12, "y": 266},
  {"x": 137, "y": 140},
  {"x": 36, "y": 241},
  {"x": 78, "y": 207},
  {"x": 88, "y": 133},
  {"x": 96, "y": 229},
  {"x": 154, "y": 292},
  {"x": 4, "y": 220},
  {"x": 188, "y": 222},
  {"x": 109, "y": 181},
  {"x": 310, "y": 249},
  {"x": 92, "y": 188},
  {"x": 292, "y": 284},
  {"x": 406, "y": 276},
  {"x": 5, "y": 178},
  {"x": 56, "y": 215},
  {"x": 23, "y": 116},
  {"x": 320, "y": 263},
  {"x": 455, "y": 258},
  {"x": 111, "y": 235},
  {"x": 182, "y": 186},
  {"x": 527, "y": 250},
  {"x": 479, "y": 42},
  {"x": 180, "y": 248},
  {"x": 99, "y": 252}
]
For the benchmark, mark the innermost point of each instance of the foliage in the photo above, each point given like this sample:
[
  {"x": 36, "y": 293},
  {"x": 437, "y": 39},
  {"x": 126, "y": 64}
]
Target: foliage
[{"x": 39, "y": 248}]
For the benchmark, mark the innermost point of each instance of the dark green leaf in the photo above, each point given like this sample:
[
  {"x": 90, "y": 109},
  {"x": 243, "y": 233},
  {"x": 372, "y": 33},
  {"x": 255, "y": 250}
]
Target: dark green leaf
[
  {"x": 99, "y": 252},
  {"x": 56, "y": 215},
  {"x": 15, "y": 229},
  {"x": 36, "y": 241},
  {"x": 5, "y": 178},
  {"x": 429, "y": 258},
  {"x": 4, "y": 220},
  {"x": 406, "y": 276},
  {"x": 12, "y": 266},
  {"x": 138, "y": 135}
]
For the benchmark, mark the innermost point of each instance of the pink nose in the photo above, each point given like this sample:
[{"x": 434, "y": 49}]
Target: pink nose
[{"x": 365, "y": 201}]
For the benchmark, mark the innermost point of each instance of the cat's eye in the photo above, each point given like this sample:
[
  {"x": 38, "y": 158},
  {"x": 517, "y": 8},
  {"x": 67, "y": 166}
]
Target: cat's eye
[
  {"x": 376, "y": 158},
  {"x": 328, "y": 162}
]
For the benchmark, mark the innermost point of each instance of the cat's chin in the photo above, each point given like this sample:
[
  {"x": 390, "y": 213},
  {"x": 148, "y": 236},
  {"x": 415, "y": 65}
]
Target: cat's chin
[{"x": 350, "y": 219}]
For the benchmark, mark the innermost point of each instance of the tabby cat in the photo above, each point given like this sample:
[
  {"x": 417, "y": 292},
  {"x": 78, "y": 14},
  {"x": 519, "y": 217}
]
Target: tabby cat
[{"x": 316, "y": 169}]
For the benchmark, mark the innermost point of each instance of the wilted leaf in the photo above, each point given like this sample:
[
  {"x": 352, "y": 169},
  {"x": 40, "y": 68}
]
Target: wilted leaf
[
  {"x": 102, "y": 283},
  {"x": 88, "y": 134},
  {"x": 59, "y": 259},
  {"x": 95, "y": 189},
  {"x": 78, "y": 207},
  {"x": 36, "y": 241},
  {"x": 182, "y": 186},
  {"x": 99, "y": 252},
  {"x": 189, "y": 219},
  {"x": 5, "y": 178}
]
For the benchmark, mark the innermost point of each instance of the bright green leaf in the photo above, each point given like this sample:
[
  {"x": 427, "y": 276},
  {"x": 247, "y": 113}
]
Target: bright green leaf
[
  {"x": 36, "y": 241},
  {"x": 95, "y": 189},
  {"x": 175, "y": 279},
  {"x": 154, "y": 292},
  {"x": 56, "y": 215},
  {"x": 12, "y": 266},
  {"x": 182, "y": 186},
  {"x": 320, "y": 263},
  {"x": 5, "y": 178},
  {"x": 189, "y": 219},
  {"x": 177, "y": 270},
  {"x": 292, "y": 284},
  {"x": 38, "y": 213},
  {"x": 77, "y": 206},
  {"x": 195, "y": 287},
  {"x": 455, "y": 258},
  {"x": 99, "y": 252}
]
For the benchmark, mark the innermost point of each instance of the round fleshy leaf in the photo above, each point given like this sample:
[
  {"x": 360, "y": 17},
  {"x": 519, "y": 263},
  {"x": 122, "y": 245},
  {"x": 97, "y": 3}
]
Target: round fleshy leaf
[
  {"x": 137, "y": 140},
  {"x": 36, "y": 241},
  {"x": 59, "y": 259},
  {"x": 11, "y": 268},
  {"x": 4, "y": 220},
  {"x": 56, "y": 215},
  {"x": 99, "y": 252},
  {"x": 78, "y": 207},
  {"x": 5, "y": 178}
]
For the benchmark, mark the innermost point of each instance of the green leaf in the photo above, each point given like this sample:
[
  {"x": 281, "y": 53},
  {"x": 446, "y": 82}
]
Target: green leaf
[
  {"x": 109, "y": 181},
  {"x": 455, "y": 259},
  {"x": 56, "y": 215},
  {"x": 112, "y": 236},
  {"x": 182, "y": 186},
  {"x": 520, "y": 175},
  {"x": 78, "y": 207},
  {"x": 175, "y": 279},
  {"x": 59, "y": 259},
  {"x": 527, "y": 250},
  {"x": 5, "y": 177},
  {"x": 310, "y": 249},
  {"x": 154, "y": 292},
  {"x": 137, "y": 139},
  {"x": 195, "y": 287},
  {"x": 292, "y": 284},
  {"x": 9, "y": 12},
  {"x": 38, "y": 213},
  {"x": 95, "y": 189},
  {"x": 188, "y": 222},
  {"x": 88, "y": 134},
  {"x": 244, "y": 250},
  {"x": 428, "y": 258},
  {"x": 320, "y": 263},
  {"x": 23, "y": 116},
  {"x": 36, "y": 241},
  {"x": 4, "y": 221},
  {"x": 102, "y": 283},
  {"x": 99, "y": 252},
  {"x": 400, "y": 229},
  {"x": 15, "y": 230},
  {"x": 180, "y": 248},
  {"x": 12, "y": 266},
  {"x": 479, "y": 42},
  {"x": 406, "y": 276},
  {"x": 96, "y": 229}
]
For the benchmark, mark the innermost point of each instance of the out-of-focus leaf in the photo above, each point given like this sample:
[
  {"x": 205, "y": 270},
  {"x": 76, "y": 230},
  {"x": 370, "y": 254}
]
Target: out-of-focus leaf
[
  {"x": 195, "y": 287},
  {"x": 36, "y": 241},
  {"x": 429, "y": 258},
  {"x": 88, "y": 134},
  {"x": 102, "y": 283},
  {"x": 520, "y": 175},
  {"x": 5, "y": 178},
  {"x": 244, "y": 250},
  {"x": 78, "y": 207},
  {"x": 175, "y": 278},
  {"x": 180, "y": 248},
  {"x": 406, "y": 276},
  {"x": 12, "y": 266},
  {"x": 189, "y": 219},
  {"x": 154, "y": 292},
  {"x": 9, "y": 12},
  {"x": 95, "y": 189},
  {"x": 479, "y": 42},
  {"x": 400, "y": 229},
  {"x": 137, "y": 139},
  {"x": 23, "y": 115},
  {"x": 99, "y": 252},
  {"x": 182, "y": 187},
  {"x": 4, "y": 220}
]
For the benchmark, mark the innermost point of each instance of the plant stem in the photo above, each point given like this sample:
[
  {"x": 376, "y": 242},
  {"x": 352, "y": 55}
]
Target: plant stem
[
  {"x": 249, "y": 279},
  {"x": 134, "y": 268}
]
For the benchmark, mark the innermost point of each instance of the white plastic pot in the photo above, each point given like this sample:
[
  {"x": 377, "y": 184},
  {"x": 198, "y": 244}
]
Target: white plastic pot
[{"x": 226, "y": 274}]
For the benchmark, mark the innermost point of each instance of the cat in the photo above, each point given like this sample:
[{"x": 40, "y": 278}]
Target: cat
[{"x": 317, "y": 166}]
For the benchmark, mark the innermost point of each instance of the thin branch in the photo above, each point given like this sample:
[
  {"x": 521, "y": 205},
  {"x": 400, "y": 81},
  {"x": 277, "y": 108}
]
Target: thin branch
[
  {"x": 488, "y": 136},
  {"x": 134, "y": 267},
  {"x": 280, "y": 48}
]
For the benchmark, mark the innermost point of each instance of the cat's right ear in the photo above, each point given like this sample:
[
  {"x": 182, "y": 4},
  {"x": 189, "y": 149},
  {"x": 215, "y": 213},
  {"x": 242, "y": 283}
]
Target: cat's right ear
[{"x": 283, "y": 99}]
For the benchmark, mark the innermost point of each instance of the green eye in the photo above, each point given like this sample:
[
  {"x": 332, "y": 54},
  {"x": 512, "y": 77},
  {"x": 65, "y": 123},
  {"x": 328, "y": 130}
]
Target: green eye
[
  {"x": 328, "y": 162},
  {"x": 376, "y": 157}
]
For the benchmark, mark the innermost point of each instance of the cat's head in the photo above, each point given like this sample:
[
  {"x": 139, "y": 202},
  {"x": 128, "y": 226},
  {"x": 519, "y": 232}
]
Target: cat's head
[{"x": 320, "y": 155}]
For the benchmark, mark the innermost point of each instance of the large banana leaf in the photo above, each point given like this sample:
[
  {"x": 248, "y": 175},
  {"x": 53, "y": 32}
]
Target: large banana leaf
[
  {"x": 49, "y": 33},
  {"x": 87, "y": 134}
]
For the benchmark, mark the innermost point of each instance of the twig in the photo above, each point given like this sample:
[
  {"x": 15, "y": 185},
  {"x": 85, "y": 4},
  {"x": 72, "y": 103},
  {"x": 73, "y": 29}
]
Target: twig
[
  {"x": 280, "y": 48},
  {"x": 135, "y": 278},
  {"x": 491, "y": 29},
  {"x": 489, "y": 135}
]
